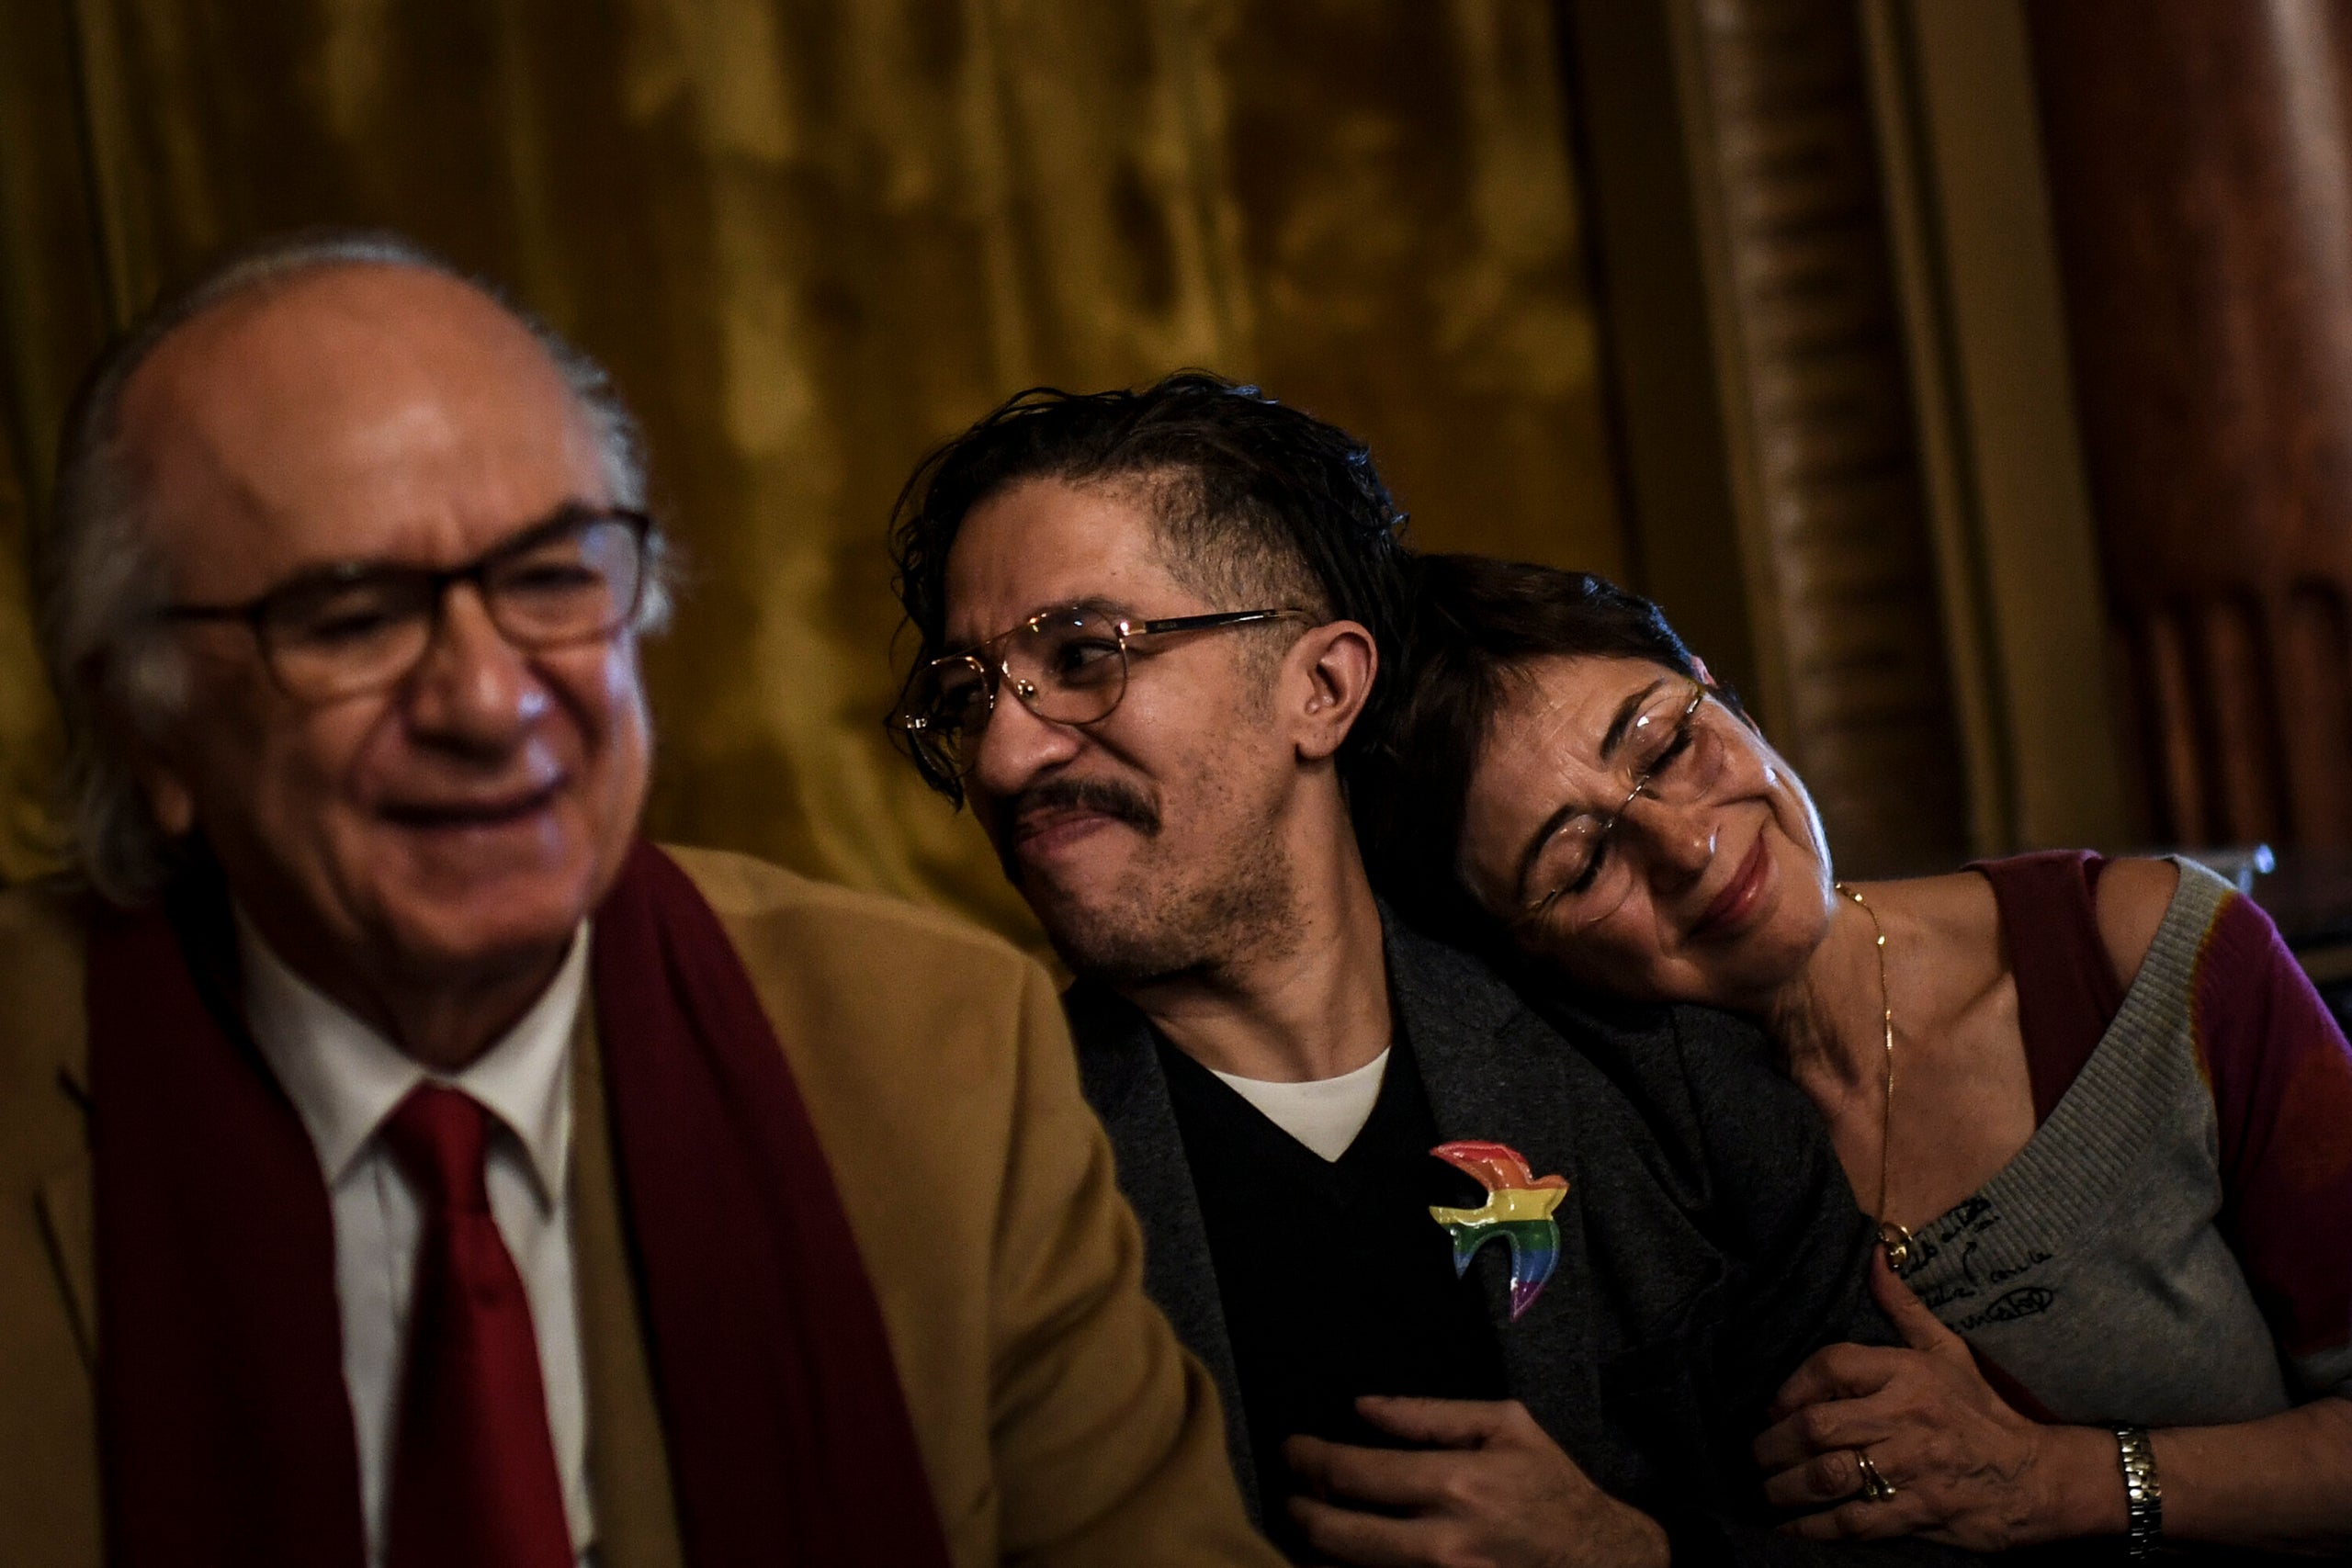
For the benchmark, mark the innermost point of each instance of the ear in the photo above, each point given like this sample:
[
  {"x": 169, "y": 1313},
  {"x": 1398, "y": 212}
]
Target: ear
[
  {"x": 168, "y": 797},
  {"x": 1328, "y": 677},
  {"x": 1699, "y": 668},
  {"x": 147, "y": 748}
]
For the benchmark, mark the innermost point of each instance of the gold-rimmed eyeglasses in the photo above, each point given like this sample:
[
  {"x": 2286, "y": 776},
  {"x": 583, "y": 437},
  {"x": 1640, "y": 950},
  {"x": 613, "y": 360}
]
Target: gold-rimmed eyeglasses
[
  {"x": 1067, "y": 665},
  {"x": 1667, "y": 759},
  {"x": 362, "y": 626}
]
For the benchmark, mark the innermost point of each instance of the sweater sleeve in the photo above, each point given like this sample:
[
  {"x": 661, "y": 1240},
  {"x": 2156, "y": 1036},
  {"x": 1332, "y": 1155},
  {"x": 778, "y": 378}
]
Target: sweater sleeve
[{"x": 2280, "y": 1075}]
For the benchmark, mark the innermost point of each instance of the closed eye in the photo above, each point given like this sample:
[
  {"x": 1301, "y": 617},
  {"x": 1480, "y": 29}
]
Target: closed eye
[
  {"x": 1081, "y": 652},
  {"x": 1675, "y": 749}
]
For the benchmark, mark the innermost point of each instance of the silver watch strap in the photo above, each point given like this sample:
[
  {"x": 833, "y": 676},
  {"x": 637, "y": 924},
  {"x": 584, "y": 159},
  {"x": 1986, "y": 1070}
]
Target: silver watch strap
[{"x": 2144, "y": 1494}]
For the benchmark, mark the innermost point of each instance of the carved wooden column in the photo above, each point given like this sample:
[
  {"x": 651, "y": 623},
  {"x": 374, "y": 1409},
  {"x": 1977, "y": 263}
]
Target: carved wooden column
[
  {"x": 1827, "y": 479},
  {"x": 2198, "y": 175}
]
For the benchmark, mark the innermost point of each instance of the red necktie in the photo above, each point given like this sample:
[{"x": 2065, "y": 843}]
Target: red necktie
[{"x": 474, "y": 1482}]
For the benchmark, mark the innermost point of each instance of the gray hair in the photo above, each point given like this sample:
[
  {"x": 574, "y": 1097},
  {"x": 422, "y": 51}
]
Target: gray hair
[{"x": 98, "y": 580}]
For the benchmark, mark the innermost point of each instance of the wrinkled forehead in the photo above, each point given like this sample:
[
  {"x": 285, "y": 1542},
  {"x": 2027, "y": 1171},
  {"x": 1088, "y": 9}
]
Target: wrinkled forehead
[
  {"x": 354, "y": 412},
  {"x": 1560, "y": 711},
  {"x": 1043, "y": 543}
]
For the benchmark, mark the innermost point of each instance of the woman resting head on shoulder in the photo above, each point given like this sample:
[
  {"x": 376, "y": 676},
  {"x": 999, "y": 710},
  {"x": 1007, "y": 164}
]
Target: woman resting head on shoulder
[{"x": 2103, "y": 1120}]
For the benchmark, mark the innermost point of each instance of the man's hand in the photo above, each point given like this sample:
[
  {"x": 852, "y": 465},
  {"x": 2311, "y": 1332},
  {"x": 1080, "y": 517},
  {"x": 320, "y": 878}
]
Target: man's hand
[
  {"x": 1490, "y": 1489},
  {"x": 1966, "y": 1469}
]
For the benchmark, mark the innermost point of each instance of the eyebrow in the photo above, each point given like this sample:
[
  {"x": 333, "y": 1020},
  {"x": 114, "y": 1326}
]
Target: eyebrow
[
  {"x": 524, "y": 535},
  {"x": 1097, "y": 605},
  {"x": 1611, "y": 738},
  {"x": 353, "y": 569},
  {"x": 1614, "y": 736}
]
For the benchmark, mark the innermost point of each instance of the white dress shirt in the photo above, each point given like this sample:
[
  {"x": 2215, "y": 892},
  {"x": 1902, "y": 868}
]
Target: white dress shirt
[{"x": 344, "y": 1079}]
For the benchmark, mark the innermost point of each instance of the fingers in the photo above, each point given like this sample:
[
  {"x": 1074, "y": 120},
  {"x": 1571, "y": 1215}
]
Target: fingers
[
  {"x": 1921, "y": 1329},
  {"x": 1368, "y": 1541},
  {"x": 1864, "y": 1520},
  {"x": 1832, "y": 1477},
  {"x": 1823, "y": 1428},
  {"x": 1441, "y": 1423},
  {"x": 1393, "y": 1478},
  {"x": 1837, "y": 1371}
]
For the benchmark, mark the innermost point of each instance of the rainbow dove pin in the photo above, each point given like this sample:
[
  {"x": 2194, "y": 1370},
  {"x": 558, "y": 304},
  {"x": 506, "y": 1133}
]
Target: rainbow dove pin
[{"x": 1518, "y": 1210}]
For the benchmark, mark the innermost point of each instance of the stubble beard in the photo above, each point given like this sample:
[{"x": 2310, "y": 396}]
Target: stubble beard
[{"x": 1204, "y": 922}]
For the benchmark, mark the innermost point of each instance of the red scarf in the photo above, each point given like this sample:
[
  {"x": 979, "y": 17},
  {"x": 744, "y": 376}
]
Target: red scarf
[{"x": 226, "y": 1429}]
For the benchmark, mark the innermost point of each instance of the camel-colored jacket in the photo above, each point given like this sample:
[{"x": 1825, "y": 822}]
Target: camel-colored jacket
[{"x": 1059, "y": 1421}]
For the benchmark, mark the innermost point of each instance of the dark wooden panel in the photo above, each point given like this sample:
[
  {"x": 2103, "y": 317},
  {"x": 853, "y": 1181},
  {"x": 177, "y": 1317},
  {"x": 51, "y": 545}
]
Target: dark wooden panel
[
  {"x": 2198, "y": 171},
  {"x": 1837, "y": 533}
]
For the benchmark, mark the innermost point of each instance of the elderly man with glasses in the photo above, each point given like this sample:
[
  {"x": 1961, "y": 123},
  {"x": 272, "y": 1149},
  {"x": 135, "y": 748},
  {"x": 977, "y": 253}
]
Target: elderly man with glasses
[
  {"x": 405, "y": 1164},
  {"x": 1151, "y": 631}
]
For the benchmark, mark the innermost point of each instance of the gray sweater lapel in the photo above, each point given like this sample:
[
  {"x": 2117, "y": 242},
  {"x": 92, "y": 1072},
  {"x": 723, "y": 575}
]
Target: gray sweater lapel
[{"x": 1493, "y": 1071}]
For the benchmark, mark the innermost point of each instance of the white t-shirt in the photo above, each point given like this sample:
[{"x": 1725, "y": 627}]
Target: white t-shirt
[{"x": 1325, "y": 1115}]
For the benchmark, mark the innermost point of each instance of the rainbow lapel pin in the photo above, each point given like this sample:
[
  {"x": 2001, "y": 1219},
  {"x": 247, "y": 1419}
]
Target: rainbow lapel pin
[{"x": 1518, "y": 1209}]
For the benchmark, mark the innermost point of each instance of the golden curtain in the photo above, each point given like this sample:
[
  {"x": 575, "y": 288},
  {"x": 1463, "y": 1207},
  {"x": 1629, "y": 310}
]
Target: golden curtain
[{"x": 813, "y": 238}]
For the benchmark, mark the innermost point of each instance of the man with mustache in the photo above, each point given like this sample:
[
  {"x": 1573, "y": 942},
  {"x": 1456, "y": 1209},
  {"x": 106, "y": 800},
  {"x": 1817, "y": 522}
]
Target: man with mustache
[
  {"x": 405, "y": 1164},
  {"x": 1150, "y": 628}
]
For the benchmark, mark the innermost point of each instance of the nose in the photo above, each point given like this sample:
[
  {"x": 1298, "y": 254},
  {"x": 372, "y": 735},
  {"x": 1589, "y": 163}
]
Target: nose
[
  {"x": 1016, "y": 747},
  {"x": 474, "y": 690},
  {"x": 1677, "y": 841}
]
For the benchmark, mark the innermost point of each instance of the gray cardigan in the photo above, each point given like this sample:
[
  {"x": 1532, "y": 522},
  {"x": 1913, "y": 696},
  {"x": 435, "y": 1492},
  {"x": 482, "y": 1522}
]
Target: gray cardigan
[{"x": 1709, "y": 1241}]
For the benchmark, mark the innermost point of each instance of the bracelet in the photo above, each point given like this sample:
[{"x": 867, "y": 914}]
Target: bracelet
[{"x": 2144, "y": 1496}]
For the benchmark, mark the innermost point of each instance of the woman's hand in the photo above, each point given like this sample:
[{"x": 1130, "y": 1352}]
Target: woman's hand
[{"x": 1966, "y": 1469}]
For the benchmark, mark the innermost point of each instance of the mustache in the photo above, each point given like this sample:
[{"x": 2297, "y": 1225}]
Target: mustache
[
  {"x": 1114, "y": 799},
  {"x": 1109, "y": 796}
]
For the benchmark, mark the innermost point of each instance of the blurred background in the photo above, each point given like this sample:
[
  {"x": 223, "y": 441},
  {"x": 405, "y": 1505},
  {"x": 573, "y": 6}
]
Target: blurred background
[{"x": 1971, "y": 381}]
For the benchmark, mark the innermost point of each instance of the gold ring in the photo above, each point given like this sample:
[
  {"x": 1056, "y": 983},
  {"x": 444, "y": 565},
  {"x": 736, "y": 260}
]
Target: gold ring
[{"x": 1876, "y": 1488}]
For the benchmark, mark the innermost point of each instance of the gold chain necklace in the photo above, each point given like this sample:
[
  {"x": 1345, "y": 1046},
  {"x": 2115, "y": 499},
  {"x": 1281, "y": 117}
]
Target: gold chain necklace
[{"x": 1894, "y": 1238}]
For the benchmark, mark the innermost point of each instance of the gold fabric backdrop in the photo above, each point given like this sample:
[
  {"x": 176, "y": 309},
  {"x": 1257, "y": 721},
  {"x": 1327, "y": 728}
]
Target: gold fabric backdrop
[{"x": 813, "y": 238}]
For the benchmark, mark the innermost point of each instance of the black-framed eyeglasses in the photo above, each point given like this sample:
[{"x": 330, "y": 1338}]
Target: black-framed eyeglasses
[
  {"x": 1664, "y": 761},
  {"x": 1067, "y": 665},
  {"x": 363, "y": 626}
]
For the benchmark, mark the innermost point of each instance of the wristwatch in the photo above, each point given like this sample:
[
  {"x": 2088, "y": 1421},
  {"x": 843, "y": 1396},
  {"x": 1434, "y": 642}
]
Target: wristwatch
[{"x": 2144, "y": 1496}]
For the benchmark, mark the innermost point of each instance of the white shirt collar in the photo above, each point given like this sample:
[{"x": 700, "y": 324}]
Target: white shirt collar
[{"x": 345, "y": 1077}]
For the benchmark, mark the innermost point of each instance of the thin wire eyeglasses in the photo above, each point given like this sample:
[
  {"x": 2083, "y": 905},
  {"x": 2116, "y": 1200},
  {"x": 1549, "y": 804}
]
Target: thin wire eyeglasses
[
  {"x": 1066, "y": 665},
  {"x": 359, "y": 627},
  {"x": 1589, "y": 836}
]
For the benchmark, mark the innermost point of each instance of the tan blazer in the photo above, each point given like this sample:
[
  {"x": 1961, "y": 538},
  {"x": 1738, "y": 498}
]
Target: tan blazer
[{"x": 1060, "y": 1423}]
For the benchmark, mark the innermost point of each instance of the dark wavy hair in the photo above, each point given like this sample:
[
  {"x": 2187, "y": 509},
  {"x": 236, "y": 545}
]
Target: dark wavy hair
[
  {"x": 1253, "y": 501},
  {"x": 1478, "y": 626}
]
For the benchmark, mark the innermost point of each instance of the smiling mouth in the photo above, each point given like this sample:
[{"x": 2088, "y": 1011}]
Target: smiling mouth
[
  {"x": 1738, "y": 898},
  {"x": 490, "y": 811}
]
